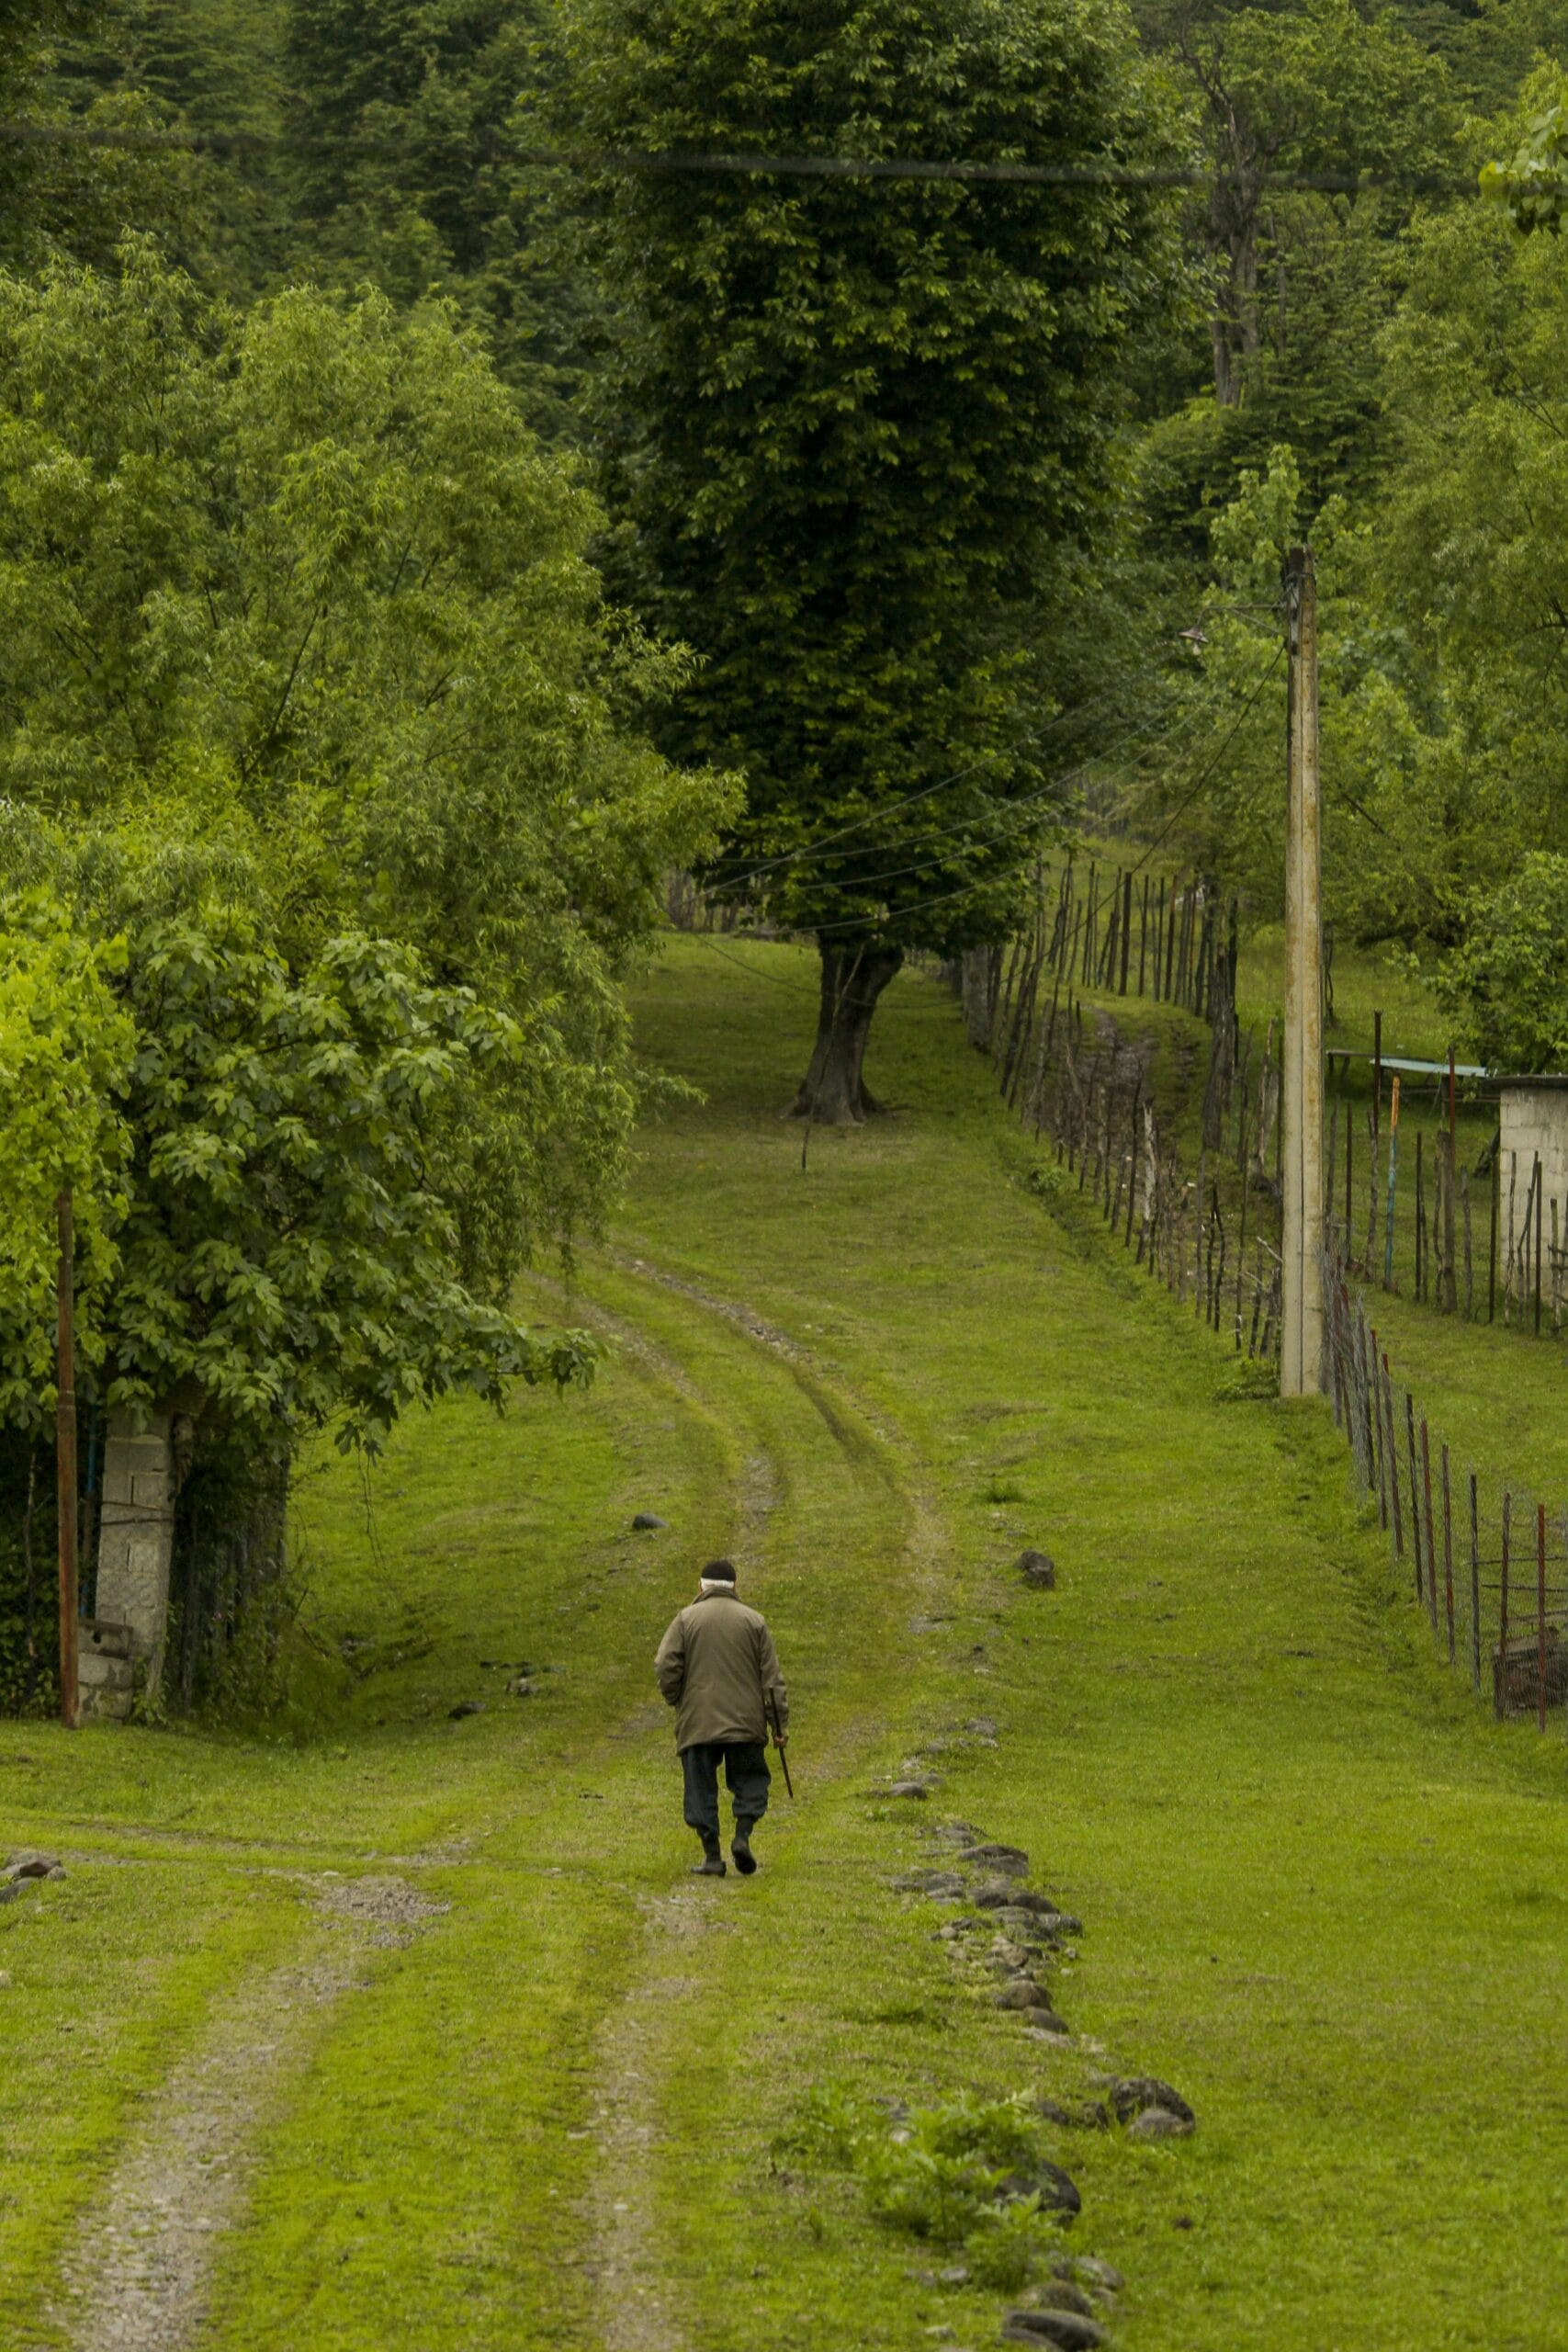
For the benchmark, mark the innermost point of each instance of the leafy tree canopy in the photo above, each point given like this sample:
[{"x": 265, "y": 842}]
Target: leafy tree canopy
[
  {"x": 1508, "y": 982},
  {"x": 306, "y": 653},
  {"x": 66, "y": 1046},
  {"x": 850, "y": 428}
]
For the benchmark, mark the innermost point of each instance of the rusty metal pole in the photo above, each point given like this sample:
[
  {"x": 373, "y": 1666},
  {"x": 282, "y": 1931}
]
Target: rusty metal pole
[
  {"x": 65, "y": 1460},
  {"x": 1300, "y": 1354}
]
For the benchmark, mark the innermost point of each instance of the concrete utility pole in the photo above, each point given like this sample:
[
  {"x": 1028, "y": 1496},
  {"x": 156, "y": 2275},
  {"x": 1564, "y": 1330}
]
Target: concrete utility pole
[{"x": 1301, "y": 1353}]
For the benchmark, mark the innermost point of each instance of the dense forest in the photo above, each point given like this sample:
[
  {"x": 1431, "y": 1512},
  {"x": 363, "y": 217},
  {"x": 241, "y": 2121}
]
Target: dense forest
[{"x": 424, "y": 531}]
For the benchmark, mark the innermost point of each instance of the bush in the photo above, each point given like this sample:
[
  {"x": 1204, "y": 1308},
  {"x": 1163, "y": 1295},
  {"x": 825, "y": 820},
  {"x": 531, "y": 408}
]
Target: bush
[{"x": 959, "y": 2176}]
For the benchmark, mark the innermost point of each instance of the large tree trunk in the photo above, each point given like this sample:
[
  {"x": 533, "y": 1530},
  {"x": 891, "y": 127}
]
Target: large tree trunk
[{"x": 832, "y": 1093}]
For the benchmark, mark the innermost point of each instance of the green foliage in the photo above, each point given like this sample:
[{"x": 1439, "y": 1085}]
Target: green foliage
[
  {"x": 65, "y": 1055},
  {"x": 312, "y": 698},
  {"x": 853, "y": 430},
  {"x": 1532, "y": 185},
  {"x": 1508, "y": 981},
  {"x": 441, "y": 98},
  {"x": 954, "y": 2175},
  {"x": 297, "y": 609},
  {"x": 287, "y": 1245}
]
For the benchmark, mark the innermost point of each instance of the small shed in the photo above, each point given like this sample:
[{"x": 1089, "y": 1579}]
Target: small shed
[{"x": 1533, "y": 1125}]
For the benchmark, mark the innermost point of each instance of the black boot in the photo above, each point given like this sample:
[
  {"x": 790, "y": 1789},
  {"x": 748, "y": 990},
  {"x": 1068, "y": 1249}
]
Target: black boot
[
  {"x": 744, "y": 1859},
  {"x": 712, "y": 1863}
]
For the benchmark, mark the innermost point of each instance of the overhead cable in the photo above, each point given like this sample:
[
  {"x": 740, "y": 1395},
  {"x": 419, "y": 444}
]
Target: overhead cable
[{"x": 1088, "y": 171}]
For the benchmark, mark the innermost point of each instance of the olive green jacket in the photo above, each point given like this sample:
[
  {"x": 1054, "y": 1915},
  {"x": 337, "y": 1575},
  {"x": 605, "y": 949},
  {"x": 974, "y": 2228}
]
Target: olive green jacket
[{"x": 713, "y": 1666}]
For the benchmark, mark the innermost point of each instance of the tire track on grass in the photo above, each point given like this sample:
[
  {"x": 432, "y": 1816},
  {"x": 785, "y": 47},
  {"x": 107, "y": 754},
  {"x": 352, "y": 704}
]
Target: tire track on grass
[
  {"x": 136, "y": 2274},
  {"x": 634, "y": 2038}
]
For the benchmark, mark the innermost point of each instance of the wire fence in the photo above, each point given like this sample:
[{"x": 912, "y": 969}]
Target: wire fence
[
  {"x": 1205, "y": 1223},
  {"x": 1488, "y": 1561}
]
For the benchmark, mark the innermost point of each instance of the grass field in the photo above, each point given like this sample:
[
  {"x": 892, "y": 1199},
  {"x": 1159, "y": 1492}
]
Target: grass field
[{"x": 1319, "y": 1892}]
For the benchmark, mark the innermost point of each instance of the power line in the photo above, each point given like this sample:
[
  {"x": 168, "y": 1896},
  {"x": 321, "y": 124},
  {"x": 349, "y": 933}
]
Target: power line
[
  {"x": 814, "y": 849},
  {"x": 945, "y": 898},
  {"x": 983, "y": 834},
  {"x": 1235, "y": 728},
  {"x": 898, "y": 1003},
  {"x": 1092, "y": 172}
]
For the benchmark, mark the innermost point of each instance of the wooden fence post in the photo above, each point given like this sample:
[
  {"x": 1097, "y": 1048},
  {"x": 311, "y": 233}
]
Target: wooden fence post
[
  {"x": 1500, "y": 1680},
  {"x": 1448, "y": 1554},
  {"x": 1393, "y": 1459},
  {"x": 1540, "y": 1615},
  {"x": 65, "y": 1461},
  {"x": 1431, "y": 1546},
  {"x": 1475, "y": 1585},
  {"x": 1415, "y": 1495}
]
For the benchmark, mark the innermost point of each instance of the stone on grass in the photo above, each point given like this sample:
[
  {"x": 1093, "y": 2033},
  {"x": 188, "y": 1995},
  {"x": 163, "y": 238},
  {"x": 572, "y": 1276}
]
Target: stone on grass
[
  {"x": 1095, "y": 2273},
  {"x": 1068, "y": 2330},
  {"x": 1044, "y": 2025},
  {"x": 1010, "y": 1861},
  {"x": 982, "y": 1726},
  {"x": 465, "y": 1707},
  {"x": 1057, "y": 2189},
  {"x": 645, "y": 1521},
  {"x": 1158, "y": 2123},
  {"x": 940, "y": 1882},
  {"x": 27, "y": 1862},
  {"x": 1131, "y": 2093},
  {"x": 917, "y": 1789},
  {"x": 1038, "y": 1569},
  {"x": 1021, "y": 1993},
  {"x": 1061, "y": 2295},
  {"x": 1040, "y": 1926}
]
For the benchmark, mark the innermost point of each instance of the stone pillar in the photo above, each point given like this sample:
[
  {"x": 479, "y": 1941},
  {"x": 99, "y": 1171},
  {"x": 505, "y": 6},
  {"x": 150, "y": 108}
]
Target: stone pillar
[{"x": 137, "y": 1535}]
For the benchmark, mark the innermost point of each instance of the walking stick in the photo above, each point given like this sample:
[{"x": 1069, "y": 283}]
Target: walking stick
[{"x": 772, "y": 1713}]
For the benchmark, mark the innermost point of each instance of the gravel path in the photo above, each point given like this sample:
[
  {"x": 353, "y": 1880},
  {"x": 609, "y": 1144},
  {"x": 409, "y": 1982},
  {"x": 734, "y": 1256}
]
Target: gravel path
[{"x": 136, "y": 2277}]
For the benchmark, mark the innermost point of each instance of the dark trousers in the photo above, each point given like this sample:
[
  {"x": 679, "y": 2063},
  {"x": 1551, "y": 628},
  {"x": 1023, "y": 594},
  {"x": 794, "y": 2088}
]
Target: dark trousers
[{"x": 745, "y": 1764}]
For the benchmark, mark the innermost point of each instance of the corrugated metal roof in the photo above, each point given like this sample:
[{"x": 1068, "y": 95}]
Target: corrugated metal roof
[{"x": 1429, "y": 1069}]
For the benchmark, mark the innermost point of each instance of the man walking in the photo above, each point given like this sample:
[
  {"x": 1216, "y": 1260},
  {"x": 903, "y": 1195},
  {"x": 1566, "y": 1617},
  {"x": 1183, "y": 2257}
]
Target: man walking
[{"x": 718, "y": 1667}]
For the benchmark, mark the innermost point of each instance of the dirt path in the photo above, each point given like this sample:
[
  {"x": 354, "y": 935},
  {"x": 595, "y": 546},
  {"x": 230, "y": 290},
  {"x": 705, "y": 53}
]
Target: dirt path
[
  {"x": 136, "y": 2278},
  {"x": 661, "y": 2012}
]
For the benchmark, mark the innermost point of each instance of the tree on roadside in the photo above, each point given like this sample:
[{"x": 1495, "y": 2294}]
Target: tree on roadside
[
  {"x": 298, "y": 611},
  {"x": 261, "y": 1164},
  {"x": 66, "y": 1048},
  {"x": 856, "y": 433},
  {"x": 314, "y": 719},
  {"x": 1506, "y": 982}
]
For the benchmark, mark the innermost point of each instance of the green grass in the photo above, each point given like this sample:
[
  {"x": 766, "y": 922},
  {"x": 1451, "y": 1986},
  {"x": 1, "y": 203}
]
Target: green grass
[{"x": 1320, "y": 1892}]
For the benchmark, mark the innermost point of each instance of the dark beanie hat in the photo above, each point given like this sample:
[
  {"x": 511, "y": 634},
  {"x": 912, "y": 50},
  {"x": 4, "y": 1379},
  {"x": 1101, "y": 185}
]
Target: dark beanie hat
[{"x": 720, "y": 1572}]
